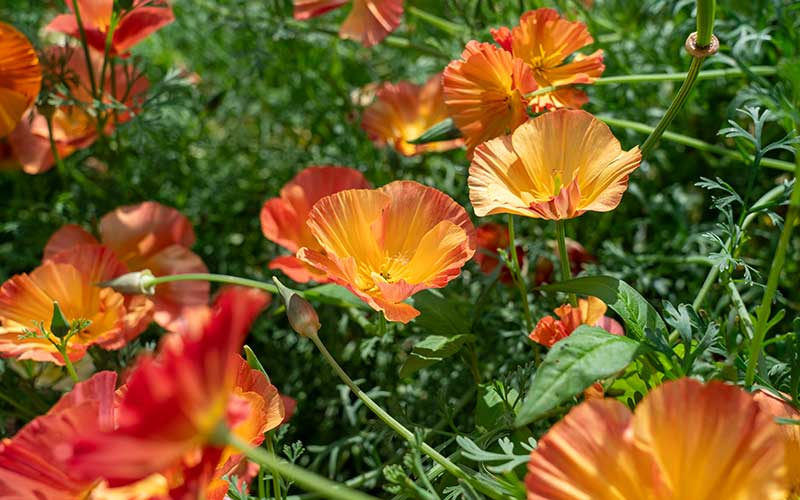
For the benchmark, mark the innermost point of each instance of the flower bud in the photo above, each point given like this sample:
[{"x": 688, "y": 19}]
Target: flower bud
[
  {"x": 59, "y": 325},
  {"x": 302, "y": 316},
  {"x": 137, "y": 283}
]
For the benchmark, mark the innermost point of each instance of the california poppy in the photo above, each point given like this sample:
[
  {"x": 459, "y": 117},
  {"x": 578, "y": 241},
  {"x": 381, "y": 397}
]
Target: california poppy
[
  {"x": 143, "y": 18},
  {"x": 491, "y": 237},
  {"x": 403, "y": 111},
  {"x": 590, "y": 311},
  {"x": 555, "y": 166},
  {"x": 151, "y": 236},
  {"x": 283, "y": 219},
  {"x": 685, "y": 440},
  {"x": 21, "y": 77},
  {"x": 368, "y": 23},
  {"x": 386, "y": 244},
  {"x": 69, "y": 278}
]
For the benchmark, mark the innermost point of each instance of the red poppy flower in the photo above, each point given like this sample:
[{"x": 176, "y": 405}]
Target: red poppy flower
[
  {"x": 369, "y": 21},
  {"x": 590, "y": 311}
]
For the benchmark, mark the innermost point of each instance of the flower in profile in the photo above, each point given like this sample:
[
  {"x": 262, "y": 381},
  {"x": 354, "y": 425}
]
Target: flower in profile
[
  {"x": 69, "y": 278},
  {"x": 491, "y": 238},
  {"x": 555, "y": 166},
  {"x": 368, "y": 23},
  {"x": 21, "y": 80},
  {"x": 283, "y": 219},
  {"x": 778, "y": 407},
  {"x": 544, "y": 40},
  {"x": 386, "y": 244},
  {"x": 143, "y": 18},
  {"x": 174, "y": 402},
  {"x": 403, "y": 111},
  {"x": 685, "y": 440},
  {"x": 150, "y": 236},
  {"x": 484, "y": 92},
  {"x": 590, "y": 311}
]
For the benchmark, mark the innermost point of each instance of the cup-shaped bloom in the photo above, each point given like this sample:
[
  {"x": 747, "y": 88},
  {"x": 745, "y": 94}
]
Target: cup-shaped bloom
[
  {"x": 21, "y": 77},
  {"x": 368, "y": 23},
  {"x": 69, "y": 278},
  {"x": 685, "y": 440},
  {"x": 555, "y": 166},
  {"x": 403, "y": 111},
  {"x": 283, "y": 219},
  {"x": 779, "y": 408},
  {"x": 590, "y": 311},
  {"x": 174, "y": 402},
  {"x": 490, "y": 238},
  {"x": 151, "y": 236},
  {"x": 386, "y": 244},
  {"x": 143, "y": 18},
  {"x": 484, "y": 92}
]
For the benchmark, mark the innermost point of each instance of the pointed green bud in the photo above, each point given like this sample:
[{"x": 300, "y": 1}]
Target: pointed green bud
[
  {"x": 253, "y": 361},
  {"x": 138, "y": 283},
  {"x": 59, "y": 326},
  {"x": 302, "y": 316}
]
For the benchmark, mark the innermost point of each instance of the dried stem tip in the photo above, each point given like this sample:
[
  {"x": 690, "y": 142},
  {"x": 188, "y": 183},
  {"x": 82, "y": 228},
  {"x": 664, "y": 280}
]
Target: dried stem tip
[{"x": 700, "y": 52}]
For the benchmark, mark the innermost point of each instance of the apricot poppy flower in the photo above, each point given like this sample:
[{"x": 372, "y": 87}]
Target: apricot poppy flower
[
  {"x": 686, "y": 439},
  {"x": 484, "y": 92},
  {"x": 151, "y": 236},
  {"x": 368, "y": 23},
  {"x": 144, "y": 18},
  {"x": 555, "y": 166},
  {"x": 283, "y": 219},
  {"x": 489, "y": 238},
  {"x": 403, "y": 111},
  {"x": 590, "y": 311},
  {"x": 21, "y": 77},
  {"x": 387, "y": 244},
  {"x": 544, "y": 40},
  {"x": 779, "y": 408},
  {"x": 174, "y": 401},
  {"x": 69, "y": 277}
]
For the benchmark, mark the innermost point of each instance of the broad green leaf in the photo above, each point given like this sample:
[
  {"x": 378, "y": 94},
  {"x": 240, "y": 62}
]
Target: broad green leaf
[
  {"x": 334, "y": 295},
  {"x": 442, "y": 315},
  {"x": 573, "y": 364},
  {"x": 491, "y": 407},
  {"x": 622, "y": 298},
  {"x": 431, "y": 350},
  {"x": 442, "y": 131}
]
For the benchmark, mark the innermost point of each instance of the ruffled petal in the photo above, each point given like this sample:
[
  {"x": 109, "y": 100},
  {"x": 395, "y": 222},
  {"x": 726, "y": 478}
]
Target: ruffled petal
[
  {"x": 370, "y": 21},
  {"x": 498, "y": 182},
  {"x": 140, "y": 23},
  {"x": 306, "y": 9},
  {"x": 68, "y": 236},
  {"x": 778, "y": 408}
]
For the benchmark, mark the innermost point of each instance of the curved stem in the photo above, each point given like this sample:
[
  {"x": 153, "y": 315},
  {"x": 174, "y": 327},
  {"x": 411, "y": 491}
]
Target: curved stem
[
  {"x": 678, "y": 77},
  {"x": 216, "y": 278},
  {"x": 276, "y": 475},
  {"x": 523, "y": 292},
  {"x": 563, "y": 256},
  {"x": 85, "y": 45}
]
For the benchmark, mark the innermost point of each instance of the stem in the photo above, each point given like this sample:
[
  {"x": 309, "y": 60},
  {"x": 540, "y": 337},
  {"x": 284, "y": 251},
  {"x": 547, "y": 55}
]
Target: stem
[
  {"x": 306, "y": 479},
  {"x": 77, "y": 11},
  {"x": 68, "y": 363},
  {"x": 276, "y": 475},
  {"x": 396, "y": 426},
  {"x": 443, "y": 24},
  {"x": 705, "y": 22},
  {"x": 563, "y": 256},
  {"x": 678, "y": 77},
  {"x": 216, "y": 278},
  {"x": 765, "y": 309},
  {"x": 517, "y": 275},
  {"x": 53, "y": 148}
]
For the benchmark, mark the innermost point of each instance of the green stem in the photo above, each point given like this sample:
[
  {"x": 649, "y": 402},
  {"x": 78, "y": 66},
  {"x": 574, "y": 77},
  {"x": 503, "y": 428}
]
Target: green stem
[
  {"x": 62, "y": 169},
  {"x": 705, "y": 22},
  {"x": 563, "y": 257},
  {"x": 741, "y": 309},
  {"x": 85, "y": 45},
  {"x": 68, "y": 364},
  {"x": 517, "y": 274},
  {"x": 216, "y": 278},
  {"x": 765, "y": 309},
  {"x": 276, "y": 475},
  {"x": 437, "y": 22},
  {"x": 679, "y": 77},
  {"x": 306, "y": 479},
  {"x": 396, "y": 426}
]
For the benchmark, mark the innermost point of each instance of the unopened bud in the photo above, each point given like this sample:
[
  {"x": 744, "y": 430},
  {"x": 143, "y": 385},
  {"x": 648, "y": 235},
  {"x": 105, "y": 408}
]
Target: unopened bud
[
  {"x": 138, "y": 283},
  {"x": 302, "y": 316},
  {"x": 59, "y": 325}
]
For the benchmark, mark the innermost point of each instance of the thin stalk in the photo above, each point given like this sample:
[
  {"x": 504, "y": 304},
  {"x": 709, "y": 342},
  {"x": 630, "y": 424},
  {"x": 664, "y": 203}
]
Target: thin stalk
[
  {"x": 741, "y": 309},
  {"x": 517, "y": 274},
  {"x": 705, "y": 21},
  {"x": 396, "y": 426},
  {"x": 563, "y": 257},
  {"x": 85, "y": 45},
  {"x": 216, "y": 278},
  {"x": 764, "y": 311},
  {"x": 678, "y": 77},
  {"x": 62, "y": 169},
  {"x": 448, "y": 27},
  {"x": 276, "y": 475},
  {"x": 68, "y": 363},
  {"x": 307, "y": 479}
]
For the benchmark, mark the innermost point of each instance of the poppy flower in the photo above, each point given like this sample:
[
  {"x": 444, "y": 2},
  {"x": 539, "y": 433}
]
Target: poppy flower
[
  {"x": 69, "y": 278},
  {"x": 142, "y": 19},
  {"x": 368, "y": 23},
  {"x": 544, "y": 40},
  {"x": 386, "y": 244},
  {"x": 490, "y": 237},
  {"x": 22, "y": 77},
  {"x": 283, "y": 219},
  {"x": 555, "y": 166},
  {"x": 590, "y": 311},
  {"x": 174, "y": 401},
  {"x": 484, "y": 92},
  {"x": 403, "y": 111},
  {"x": 148, "y": 236},
  {"x": 778, "y": 408},
  {"x": 686, "y": 439}
]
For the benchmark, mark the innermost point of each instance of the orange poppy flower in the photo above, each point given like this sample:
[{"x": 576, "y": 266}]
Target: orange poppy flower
[
  {"x": 69, "y": 277},
  {"x": 21, "y": 77},
  {"x": 544, "y": 40},
  {"x": 484, "y": 92},
  {"x": 386, "y": 244},
  {"x": 135, "y": 24},
  {"x": 283, "y": 219},
  {"x": 590, "y": 311},
  {"x": 403, "y": 111},
  {"x": 490, "y": 237},
  {"x": 778, "y": 408},
  {"x": 174, "y": 401},
  {"x": 148, "y": 236},
  {"x": 685, "y": 440},
  {"x": 368, "y": 23},
  {"x": 555, "y": 166}
]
